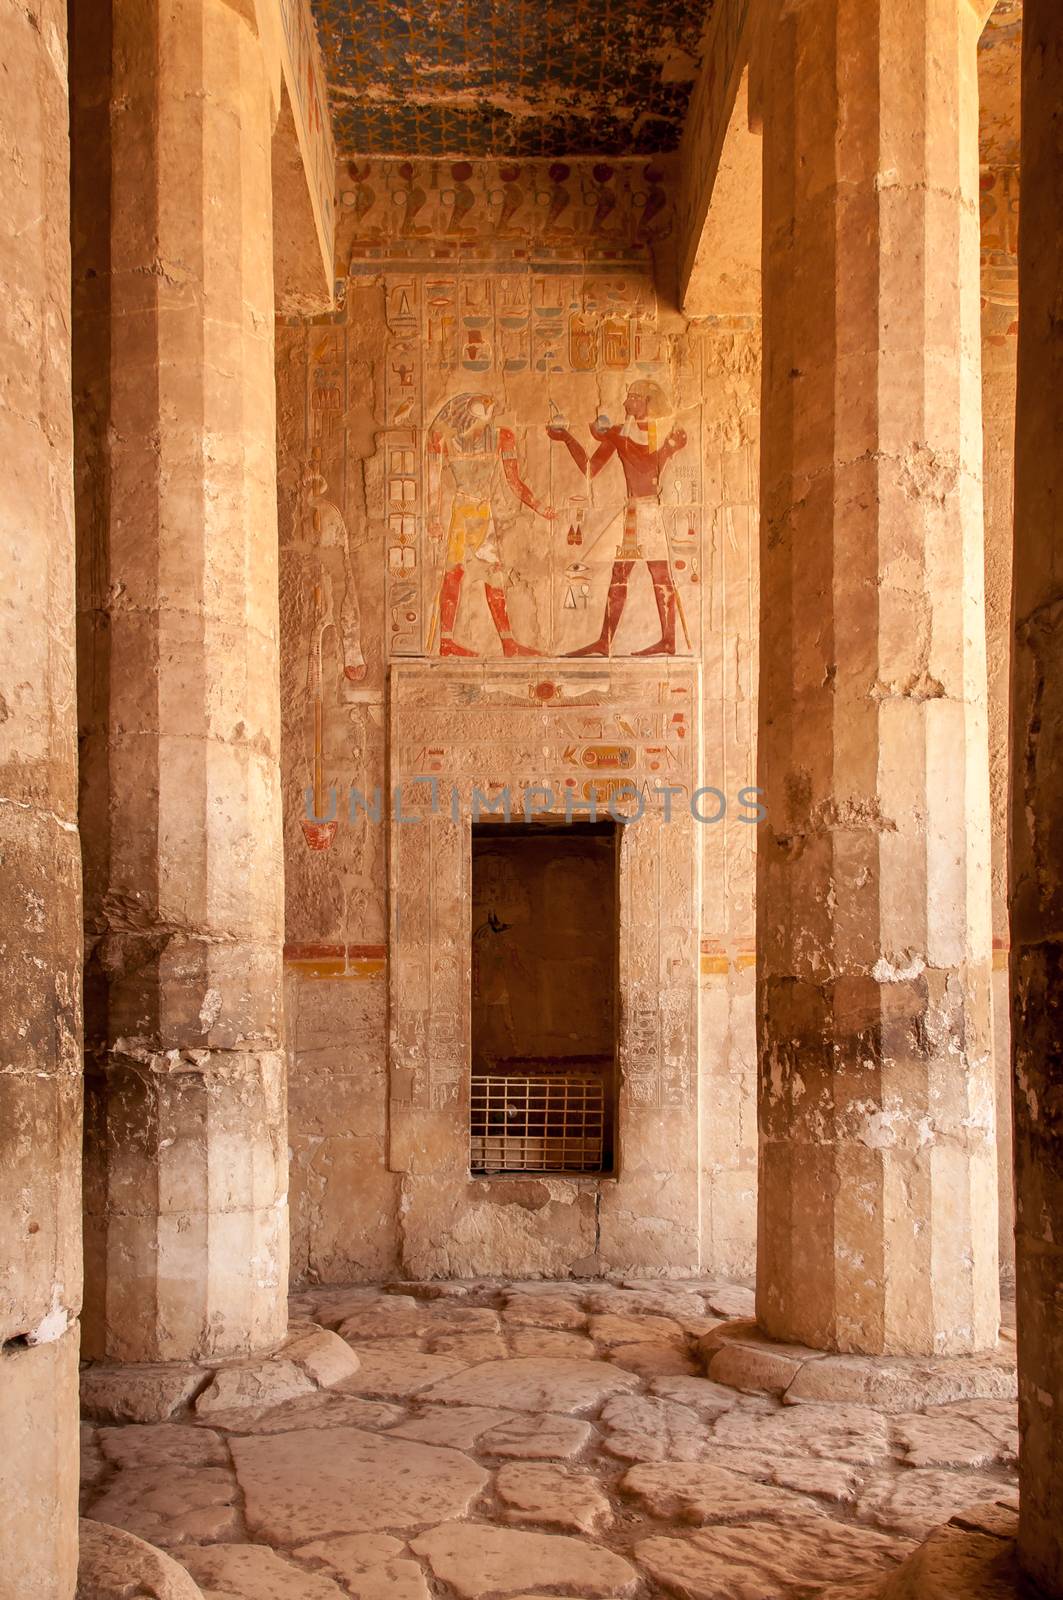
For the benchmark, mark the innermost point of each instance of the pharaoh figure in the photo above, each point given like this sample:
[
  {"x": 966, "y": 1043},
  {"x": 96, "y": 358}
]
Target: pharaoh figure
[
  {"x": 336, "y": 592},
  {"x": 644, "y": 536},
  {"x": 467, "y": 451}
]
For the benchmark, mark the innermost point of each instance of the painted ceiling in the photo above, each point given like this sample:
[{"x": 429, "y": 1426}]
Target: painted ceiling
[{"x": 509, "y": 77}]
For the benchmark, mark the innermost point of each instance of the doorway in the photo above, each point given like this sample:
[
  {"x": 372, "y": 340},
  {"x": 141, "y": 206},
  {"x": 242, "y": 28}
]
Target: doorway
[{"x": 545, "y": 942}]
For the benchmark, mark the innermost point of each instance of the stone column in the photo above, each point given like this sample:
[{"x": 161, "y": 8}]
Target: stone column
[
  {"x": 877, "y": 1228},
  {"x": 186, "y": 1148},
  {"x": 1037, "y": 804},
  {"x": 998, "y": 86},
  {"x": 40, "y": 866}
]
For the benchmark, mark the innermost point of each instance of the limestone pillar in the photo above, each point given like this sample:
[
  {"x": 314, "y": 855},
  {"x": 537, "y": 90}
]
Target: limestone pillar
[
  {"x": 877, "y": 1207},
  {"x": 1037, "y": 804},
  {"x": 186, "y": 1149},
  {"x": 998, "y": 93},
  {"x": 40, "y": 869}
]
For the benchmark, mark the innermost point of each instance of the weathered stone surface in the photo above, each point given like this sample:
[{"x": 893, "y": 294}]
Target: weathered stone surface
[
  {"x": 653, "y": 1360},
  {"x": 389, "y": 1317},
  {"x": 861, "y": 1588},
  {"x": 671, "y": 1303},
  {"x": 330, "y": 1307},
  {"x": 846, "y": 1433},
  {"x": 699, "y": 1327},
  {"x": 171, "y": 1505},
  {"x": 546, "y": 1438},
  {"x": 477, "y": 1560},
  {"x": 315, "y": 1475},
  {"x": 185, "y": 1127},
  {"x": 260, "y": 1384},
  {"x": 725, "y": 1335},
  {"x": 535, "y": 1385},
  {"x": 116, "y": 1565},
  {"x": 609, "y": 1329},
  {"x": 943, "y": 1439},
  {"x": 455, "y": 1427},
  {"x": 409, "y": 1344},
  {"x": 996, "y": 1517},
  {"x": 41, "y": 1092},
  {"x": 394, "y": 1374},
  {"x": 900, "y": 1385},
  {"x": 998, "y": 1418},
  {"x": 547, "y": 1288},
  {"x": 543, "y": 1311},
  {"x": 162, "y": 1444},
  {"x": 743, "y": 1560},
  {"x": 431, "y": 1288},
  {"x": 471, "y": 1348},
  {"x": 1034, "y": 873},
  {"x": 860, "y": 1202},
  {"x": 829, "y": 1480},
  {"x": 686, "y": 1491},
  {"x": 641, "y": 1429},
  {"x": 312, "y": 1485},
  {"x": 550, "y": 1343},
  {"x": 148, "y": 1393},
  {"x": 753, "y": 1369},
  {"x": 254, "y": 1572},
  {"x": 740, "y": 1355},
  {"x": 916, "y": 1500},
  {"x": 369, "y": 1565},
  {"x": 92, "y": 1462},
  {"x": 730, "y": 1300},
  {"x": 974, "y": 1554},
  {"x": 558, "y": 1497},
  {"x": 442, "y": 1315},
  {"x": 710, "y": 1400},
  {"x": 832, "y": 1480},
  {"x": 323, "y": 1356},
  {"x": 321, "y": 1409}
]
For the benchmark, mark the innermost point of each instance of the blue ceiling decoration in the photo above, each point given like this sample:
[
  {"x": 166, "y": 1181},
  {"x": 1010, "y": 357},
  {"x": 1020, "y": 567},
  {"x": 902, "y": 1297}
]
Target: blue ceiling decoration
[{"x": 509, "y": 77}]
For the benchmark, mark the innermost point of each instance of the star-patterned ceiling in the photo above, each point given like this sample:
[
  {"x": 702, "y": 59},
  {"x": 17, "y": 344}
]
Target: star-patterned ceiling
[{"x": 509, "y": 77}]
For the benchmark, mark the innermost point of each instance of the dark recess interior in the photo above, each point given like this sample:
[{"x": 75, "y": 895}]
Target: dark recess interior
[{"x": 544, "y": 985}]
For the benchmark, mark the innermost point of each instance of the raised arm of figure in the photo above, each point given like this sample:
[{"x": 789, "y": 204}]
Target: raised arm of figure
[{"x": 507, "y": 449}]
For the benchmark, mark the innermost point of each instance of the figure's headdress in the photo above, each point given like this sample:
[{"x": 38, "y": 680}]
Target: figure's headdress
[
  {"x": 456, "y": 417},
  {"x": 658, "y": 406}
]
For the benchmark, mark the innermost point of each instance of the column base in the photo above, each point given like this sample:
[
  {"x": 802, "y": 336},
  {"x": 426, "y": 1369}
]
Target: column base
[
  {"x": 113, "y": 1564},
  {"x": 970, "y": 1557},
  {"x": 743, "y": 1357},
  {"x": 310, "y": 1358},
  {"x": 186, "y": 1209},
  {"x": 39, "y": 1468}
]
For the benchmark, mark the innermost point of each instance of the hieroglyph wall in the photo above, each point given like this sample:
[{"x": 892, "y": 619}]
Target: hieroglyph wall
[{"x": 517, "y": 493}]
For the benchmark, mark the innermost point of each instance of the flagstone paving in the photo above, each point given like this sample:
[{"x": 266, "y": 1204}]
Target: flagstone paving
[{"x": 502, "y": 1441}]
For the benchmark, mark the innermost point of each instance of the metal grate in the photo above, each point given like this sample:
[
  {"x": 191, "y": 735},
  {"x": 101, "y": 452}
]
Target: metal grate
[{"x": 537, "y": 1123}]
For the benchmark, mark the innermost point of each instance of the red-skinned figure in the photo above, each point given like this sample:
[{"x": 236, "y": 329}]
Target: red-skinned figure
[{"x": 645, "y": 536}]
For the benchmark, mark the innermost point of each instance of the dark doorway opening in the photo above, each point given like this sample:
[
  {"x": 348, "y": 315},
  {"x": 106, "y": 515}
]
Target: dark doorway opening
[{"x": 544, "y": 997}]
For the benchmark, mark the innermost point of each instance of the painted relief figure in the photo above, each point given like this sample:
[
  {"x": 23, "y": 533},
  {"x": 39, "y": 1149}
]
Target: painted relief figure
[
  {"x": 471, "y": 457},
  {"x": 644, "y": 534},
  {"x": 338, "y": 605}
]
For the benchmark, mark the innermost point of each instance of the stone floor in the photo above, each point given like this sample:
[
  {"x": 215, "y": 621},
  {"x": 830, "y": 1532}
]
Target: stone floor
[{"x": 519, "y": 1440}]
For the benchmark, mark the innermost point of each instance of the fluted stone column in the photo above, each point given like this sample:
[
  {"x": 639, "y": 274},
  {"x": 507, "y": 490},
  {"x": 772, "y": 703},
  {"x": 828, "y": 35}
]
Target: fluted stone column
[
  {"x": 998, "y": 88},
  {"x": 40, "y": 867},
  {"x": 877, "y": 1206},
  {"x": 186, "y": 1149},
  {"x": 1037, "y": 803}
]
